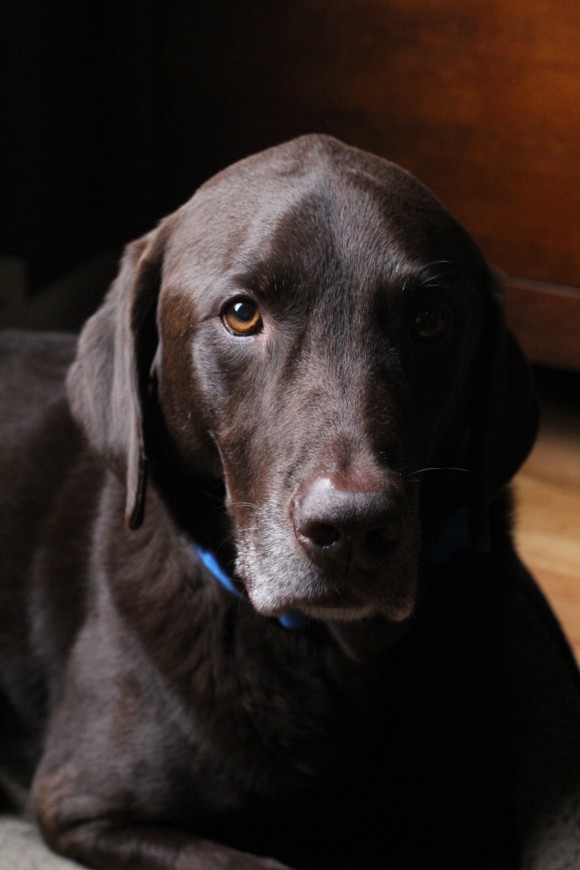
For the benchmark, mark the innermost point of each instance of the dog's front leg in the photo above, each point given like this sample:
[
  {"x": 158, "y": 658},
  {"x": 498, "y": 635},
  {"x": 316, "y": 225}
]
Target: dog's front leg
[
  {"x": 104, "y": 792},
  {"x": 112, "y": 845},
  {"x": 88, "y": 812}
]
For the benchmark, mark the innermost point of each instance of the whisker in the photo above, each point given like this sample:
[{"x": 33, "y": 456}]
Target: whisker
[
  {"x": 437, "y": 468},
  {"x": 213, "y": 496}
]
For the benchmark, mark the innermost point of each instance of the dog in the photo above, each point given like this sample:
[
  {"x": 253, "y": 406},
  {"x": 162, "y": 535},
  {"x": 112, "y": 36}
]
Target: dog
[{"x": 258, "y": 582}]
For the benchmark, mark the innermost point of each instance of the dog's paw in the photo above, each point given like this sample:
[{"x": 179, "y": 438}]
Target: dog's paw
[{"x": 216, "y": 857}]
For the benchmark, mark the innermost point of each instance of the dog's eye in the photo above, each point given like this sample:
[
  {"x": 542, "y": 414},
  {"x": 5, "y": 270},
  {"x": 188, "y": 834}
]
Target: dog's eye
[
  {"x": 430, "y": 324},
  {"x": 242, "y": 317}
]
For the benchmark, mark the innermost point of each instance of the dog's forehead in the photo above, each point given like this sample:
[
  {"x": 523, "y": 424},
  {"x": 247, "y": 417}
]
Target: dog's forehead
[{"x": 311, "y": 192}]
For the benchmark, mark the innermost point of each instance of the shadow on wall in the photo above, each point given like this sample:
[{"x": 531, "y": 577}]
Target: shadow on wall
[{"x": 63, "y": 305}]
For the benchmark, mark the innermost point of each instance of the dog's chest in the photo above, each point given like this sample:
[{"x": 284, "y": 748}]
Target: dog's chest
[
  {"x": 273, "y": 714},
  {"x": 278, "y": 743}
]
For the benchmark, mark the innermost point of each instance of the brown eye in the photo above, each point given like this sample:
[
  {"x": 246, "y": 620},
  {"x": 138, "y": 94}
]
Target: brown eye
[
  {"x": 430, "y": 324},
  {"x": 242, "y": 317}
]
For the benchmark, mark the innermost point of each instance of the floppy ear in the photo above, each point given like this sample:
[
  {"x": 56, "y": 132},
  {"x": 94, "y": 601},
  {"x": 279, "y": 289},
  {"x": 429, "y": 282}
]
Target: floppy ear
[
  {"x": 503, "y": 419},
  {"x": 109, "y": 381}
]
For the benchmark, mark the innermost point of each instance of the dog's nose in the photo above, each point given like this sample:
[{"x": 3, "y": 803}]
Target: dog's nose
[{"x": 346, "y": 529}]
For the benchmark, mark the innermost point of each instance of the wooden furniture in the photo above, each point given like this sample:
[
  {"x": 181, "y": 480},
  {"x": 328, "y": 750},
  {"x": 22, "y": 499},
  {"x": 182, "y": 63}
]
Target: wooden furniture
[{"x": 480, "y": 100}]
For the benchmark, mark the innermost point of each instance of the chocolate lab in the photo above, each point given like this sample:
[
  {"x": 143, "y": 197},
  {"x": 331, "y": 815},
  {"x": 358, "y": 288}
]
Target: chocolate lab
[{"x": 258, "y": 585}]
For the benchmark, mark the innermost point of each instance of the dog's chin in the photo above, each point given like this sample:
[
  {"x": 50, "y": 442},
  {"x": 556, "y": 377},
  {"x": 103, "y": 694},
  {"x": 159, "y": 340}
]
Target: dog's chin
[
  {"x": 335, "y": 612},
  {"x": 390, "y": 613},
  {"x": 335, "y": 607}
]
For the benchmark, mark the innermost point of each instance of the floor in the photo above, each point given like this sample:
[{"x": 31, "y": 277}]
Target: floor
[{"x": 548, "y": 501}]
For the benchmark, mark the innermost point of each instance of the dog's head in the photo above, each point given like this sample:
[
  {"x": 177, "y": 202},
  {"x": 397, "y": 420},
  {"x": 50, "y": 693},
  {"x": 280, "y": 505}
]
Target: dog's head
[{"x": 315, "y": 330}]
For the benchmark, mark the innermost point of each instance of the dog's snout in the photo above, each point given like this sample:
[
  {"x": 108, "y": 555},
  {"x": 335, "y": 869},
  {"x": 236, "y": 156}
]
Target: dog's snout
[{"x": 346, "y": 529}]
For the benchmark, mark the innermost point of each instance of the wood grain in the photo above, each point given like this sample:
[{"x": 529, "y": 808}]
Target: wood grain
[
  {"x": 546, "y": 319},
  {"x": 481, "y": 100},
  {"x": 548, "y": 515}
]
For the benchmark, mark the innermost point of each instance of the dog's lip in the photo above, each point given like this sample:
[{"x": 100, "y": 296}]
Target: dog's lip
[
  {"x": 338, "y": 599},
  {"x": 335, "y": 606},
  {"x": 308, "y": 603},
  {"x": 344, "y": 606},
  {"x": 338, "y": 606},
  {"x": 337, "y": 610}
]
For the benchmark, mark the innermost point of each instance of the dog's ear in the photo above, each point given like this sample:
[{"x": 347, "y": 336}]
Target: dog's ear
[
  {"x": 503, "y": 417},
  {"x": 109, "y": 382}
]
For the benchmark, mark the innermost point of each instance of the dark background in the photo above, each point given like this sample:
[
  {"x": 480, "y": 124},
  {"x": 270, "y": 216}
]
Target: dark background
[{"x": 92, "y": 153}]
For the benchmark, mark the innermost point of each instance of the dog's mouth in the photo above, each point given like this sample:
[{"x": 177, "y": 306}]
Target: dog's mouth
[
  {"x": 319, "y": 597},
  {"x": 347, "y": 576},
  {"x": 338, "y": 607}
]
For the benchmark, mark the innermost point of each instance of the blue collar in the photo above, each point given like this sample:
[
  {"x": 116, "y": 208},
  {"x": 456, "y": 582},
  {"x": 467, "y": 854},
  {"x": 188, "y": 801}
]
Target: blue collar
[
  {"x": 292, "y": 620},
  {"x": 454, "y": 538}
]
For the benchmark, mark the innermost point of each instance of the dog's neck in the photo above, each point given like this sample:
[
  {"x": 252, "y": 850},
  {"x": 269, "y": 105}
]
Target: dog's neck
[{"x": 292, "y": 620}]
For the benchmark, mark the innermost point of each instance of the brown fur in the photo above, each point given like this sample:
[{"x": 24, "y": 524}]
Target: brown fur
[{"x": 164, "y": 722}]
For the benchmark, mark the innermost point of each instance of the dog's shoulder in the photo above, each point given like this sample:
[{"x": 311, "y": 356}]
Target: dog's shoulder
[{"x": 38, "y": 438}]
